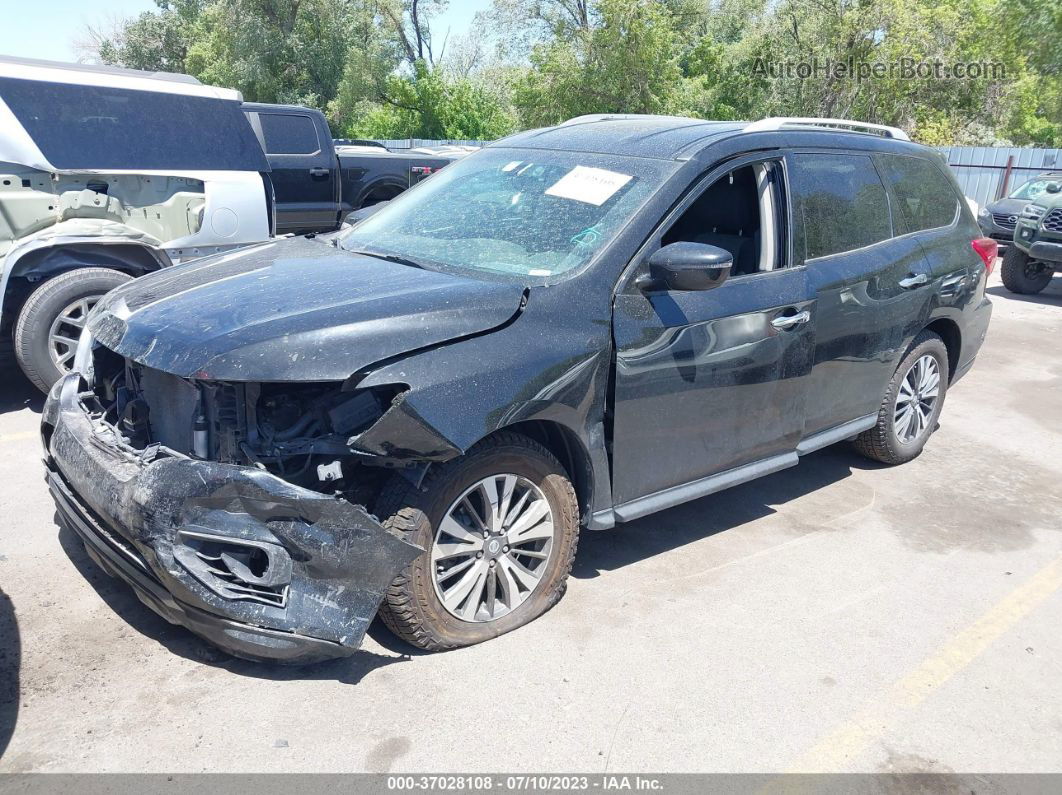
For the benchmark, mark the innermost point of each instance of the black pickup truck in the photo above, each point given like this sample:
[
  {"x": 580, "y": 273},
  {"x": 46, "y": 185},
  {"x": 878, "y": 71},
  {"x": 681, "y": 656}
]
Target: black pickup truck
[{"x": 317, "y": 182}]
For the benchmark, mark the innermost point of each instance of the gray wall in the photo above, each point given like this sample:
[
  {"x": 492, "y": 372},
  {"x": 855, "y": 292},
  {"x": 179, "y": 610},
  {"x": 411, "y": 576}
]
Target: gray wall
[{"x": 981, "y": 170}]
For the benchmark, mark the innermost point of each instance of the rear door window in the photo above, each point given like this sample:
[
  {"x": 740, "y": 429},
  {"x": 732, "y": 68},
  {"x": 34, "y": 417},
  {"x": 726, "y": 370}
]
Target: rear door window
[
  {"x": 839, "y": 204},
  {"x": 925, "y": 197},
  {"x": 289, "y": 134}
]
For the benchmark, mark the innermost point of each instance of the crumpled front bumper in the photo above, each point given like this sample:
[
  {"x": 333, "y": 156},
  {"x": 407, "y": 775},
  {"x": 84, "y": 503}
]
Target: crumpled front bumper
[{"x": 262, "y": 568}]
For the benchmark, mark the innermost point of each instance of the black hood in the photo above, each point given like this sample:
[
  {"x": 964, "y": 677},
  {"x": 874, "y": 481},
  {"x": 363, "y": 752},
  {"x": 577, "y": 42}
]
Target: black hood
[
  {"x": 292, "y": 310},
  {"x": 1007, "y": 206}
]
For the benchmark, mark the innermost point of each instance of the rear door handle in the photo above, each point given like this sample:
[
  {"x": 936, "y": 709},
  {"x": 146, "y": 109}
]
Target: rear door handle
[
  {"x": 915, "y": 280},
  {"x": 318, "y": 172},
  {"x": 788, "y": 321}
]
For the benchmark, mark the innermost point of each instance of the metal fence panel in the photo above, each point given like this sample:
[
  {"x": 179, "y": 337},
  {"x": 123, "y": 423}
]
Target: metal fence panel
[
  {"x": 413, "y": 143},
  {"x": 982, "y": 171}
]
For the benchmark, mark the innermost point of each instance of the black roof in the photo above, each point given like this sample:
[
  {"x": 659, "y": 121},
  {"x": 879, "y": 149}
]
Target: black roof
[
  {"x": 678, "y": 137},
  {"x": 627, "y": 135}
]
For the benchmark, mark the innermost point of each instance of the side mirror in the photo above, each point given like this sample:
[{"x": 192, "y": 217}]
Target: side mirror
[
  {"x": 1052, "y": 187},
  {"x": 687, "y": 266}
]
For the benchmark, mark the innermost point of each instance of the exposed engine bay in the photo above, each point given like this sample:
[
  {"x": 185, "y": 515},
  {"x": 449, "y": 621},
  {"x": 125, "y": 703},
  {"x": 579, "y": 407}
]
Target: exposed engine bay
[
  {"x": 242, "y": 511},
  {"x": 303, "y": 433}
]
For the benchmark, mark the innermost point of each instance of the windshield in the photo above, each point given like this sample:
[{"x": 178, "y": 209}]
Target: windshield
[
  {"x": 1033, "y": 188},
  {"x": 522, "y": 215}
]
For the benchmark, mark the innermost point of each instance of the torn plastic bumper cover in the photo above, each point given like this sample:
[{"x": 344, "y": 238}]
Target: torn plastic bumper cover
[{"x": 258, "y": 566}]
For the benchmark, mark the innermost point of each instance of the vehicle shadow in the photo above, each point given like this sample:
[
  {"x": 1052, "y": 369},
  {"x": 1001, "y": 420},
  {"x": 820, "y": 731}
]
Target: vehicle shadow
[
  {"x": 16, "y": 392},
  {"x": 1052, "y": 294},
  {"x": 631, "y": 542},
  {"x": 10, "y": 665},
  {"x": 598, "y": 551},
  {"x": 120, "y": 598}
]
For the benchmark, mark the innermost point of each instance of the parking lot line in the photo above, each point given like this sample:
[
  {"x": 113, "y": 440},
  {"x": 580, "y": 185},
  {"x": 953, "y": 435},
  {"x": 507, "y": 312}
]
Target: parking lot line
[
  {"x": 854, "y": 735},
  {"x": 18, "y": 437}
]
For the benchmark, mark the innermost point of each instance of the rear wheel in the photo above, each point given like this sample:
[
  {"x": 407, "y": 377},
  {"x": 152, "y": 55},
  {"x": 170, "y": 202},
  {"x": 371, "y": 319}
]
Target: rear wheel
[
  {"x": 911, "y": 404},
  {"x": 51, "y": 320},
  {"x": 1023, "y": 275},
  {"x": 499, "y": 527}
]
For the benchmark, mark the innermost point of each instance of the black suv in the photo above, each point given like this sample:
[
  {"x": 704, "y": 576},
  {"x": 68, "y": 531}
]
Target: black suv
[{"x": 574, "y": 327}]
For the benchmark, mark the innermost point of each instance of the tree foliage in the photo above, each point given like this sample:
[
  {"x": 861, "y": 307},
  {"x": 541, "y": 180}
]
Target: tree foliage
[{"x": 379, "y": 68}]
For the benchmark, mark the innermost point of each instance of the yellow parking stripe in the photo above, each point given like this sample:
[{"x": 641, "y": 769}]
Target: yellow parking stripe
[
  {"x": 18, "y": 437},
  {"x": 854, "y": 735}
]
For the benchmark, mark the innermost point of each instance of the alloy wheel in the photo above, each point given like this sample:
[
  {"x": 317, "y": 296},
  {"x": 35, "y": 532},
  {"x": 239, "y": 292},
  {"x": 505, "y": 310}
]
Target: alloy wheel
[
  {"x": 66, "y": 330},
  {"x": 918, "y": 395},
  {"x": 492, "y": 548}
]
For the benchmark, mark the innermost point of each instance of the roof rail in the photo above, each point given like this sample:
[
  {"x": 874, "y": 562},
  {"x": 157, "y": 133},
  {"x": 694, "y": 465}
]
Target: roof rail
[
  {"x": 778, "y": 122},
  {"x": 589, "y": 117}
]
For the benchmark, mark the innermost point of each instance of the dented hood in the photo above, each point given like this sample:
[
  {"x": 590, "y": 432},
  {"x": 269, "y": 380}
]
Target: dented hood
[{"x": 292, "y": 310}]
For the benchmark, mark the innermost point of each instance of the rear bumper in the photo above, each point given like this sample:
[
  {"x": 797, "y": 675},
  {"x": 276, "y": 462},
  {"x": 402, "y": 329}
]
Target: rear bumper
[
  {"x": 974, "y": 336},
  {"x": 260, "y": 567}
]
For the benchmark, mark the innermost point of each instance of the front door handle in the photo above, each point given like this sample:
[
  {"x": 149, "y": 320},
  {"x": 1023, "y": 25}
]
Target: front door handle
[
  {"x": 788, "y": 321},
  {"x": 915, "y": 280},
  {"x": 318, "y": 172}
]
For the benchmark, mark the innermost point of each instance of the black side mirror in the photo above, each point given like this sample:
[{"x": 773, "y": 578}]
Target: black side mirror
[
  {"x": 1052, "y": 187},
  {"x": 687, "y": 266}
]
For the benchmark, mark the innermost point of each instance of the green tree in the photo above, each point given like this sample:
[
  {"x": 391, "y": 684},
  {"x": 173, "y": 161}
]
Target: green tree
[
  {"x": 625, "y": 60},
  {"x": 153, "y": 41},
  {"x": 396, "y": 83},
  {"x": 274, "y": 50},
  {"x": 428, "y": 105}
]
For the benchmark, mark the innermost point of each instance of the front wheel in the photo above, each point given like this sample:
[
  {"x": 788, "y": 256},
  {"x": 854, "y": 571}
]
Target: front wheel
[
  {"x": 1021, "y": 274},
  {"x": 51, "y": 320},
  {"x": 911, "y": 405},
  {"x": 499, "y": 527}
]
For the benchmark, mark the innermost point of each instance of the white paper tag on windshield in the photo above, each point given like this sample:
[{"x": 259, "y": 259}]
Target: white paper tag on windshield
[{"x": 591, "y": 185}]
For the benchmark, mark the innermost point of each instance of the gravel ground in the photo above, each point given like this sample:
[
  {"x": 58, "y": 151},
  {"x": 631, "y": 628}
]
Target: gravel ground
[{"x": 838, "y": 616}]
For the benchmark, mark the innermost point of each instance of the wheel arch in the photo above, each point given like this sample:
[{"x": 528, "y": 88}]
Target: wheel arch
[
  {"x": 26, "y": 270},
  {"x": 948, "y": 331},
  {"x": 565, "y": 444},
  {"x": 381, "y": 190}
]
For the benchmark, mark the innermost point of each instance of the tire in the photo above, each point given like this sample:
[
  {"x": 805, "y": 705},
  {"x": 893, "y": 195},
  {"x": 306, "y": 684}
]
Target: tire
[
  {"x": 883, "y": 442},
  {"x": 41, "y": 310},
  {"x": 1020, "y": 275},
  {"x": 413, "y": 608}
]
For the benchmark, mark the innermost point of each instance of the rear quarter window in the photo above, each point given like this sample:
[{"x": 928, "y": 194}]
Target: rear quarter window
[
  {"x": 839, "y": 204},
  {"x": 103, "y": 128},
  {"x": 926, "y": 199},
  {"x": 289, "y": 134}
]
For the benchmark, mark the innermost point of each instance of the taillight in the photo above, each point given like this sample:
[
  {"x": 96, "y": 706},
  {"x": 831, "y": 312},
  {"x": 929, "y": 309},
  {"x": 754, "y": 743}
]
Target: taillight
[{"x": 986, "y": 249}]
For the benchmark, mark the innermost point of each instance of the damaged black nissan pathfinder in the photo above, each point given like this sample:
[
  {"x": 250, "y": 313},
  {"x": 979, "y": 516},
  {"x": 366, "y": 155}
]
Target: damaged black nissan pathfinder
[{"x": 574, "y": 327}]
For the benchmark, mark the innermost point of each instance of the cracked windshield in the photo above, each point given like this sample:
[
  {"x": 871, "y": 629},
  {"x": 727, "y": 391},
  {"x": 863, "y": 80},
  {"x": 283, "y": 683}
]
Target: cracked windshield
[{"x": 523, "y": 215}]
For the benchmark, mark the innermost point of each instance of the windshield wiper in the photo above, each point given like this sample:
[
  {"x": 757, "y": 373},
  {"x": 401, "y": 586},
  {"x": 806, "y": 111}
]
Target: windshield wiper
[{"x": 390, "y": 258}]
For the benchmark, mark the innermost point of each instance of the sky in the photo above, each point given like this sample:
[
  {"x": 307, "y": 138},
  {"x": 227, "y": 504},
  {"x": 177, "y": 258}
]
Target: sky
[{"x": 46, "y": 28}]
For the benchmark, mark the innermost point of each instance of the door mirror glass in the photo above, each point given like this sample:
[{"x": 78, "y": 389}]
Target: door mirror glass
[
  {"x": 1053, "y": 187},
  {"x": 687, "y": 266}
]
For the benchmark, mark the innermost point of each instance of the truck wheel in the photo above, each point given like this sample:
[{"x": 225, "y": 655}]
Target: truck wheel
[
  {"x": 499, "y": 526},
  {"x": 911, "y": 404},
  {"x": 1022, "y": 275},
  {"x": 51, "y": 320}
]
